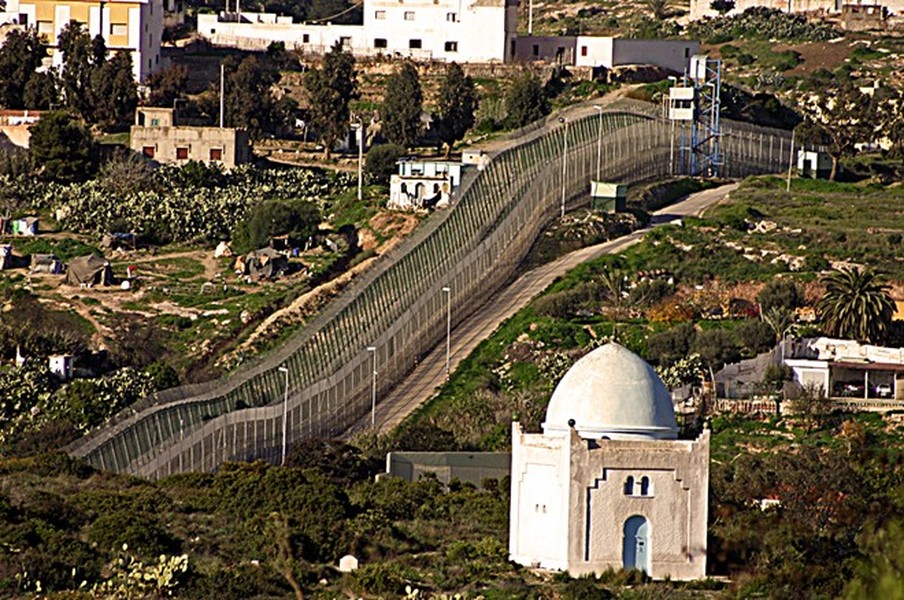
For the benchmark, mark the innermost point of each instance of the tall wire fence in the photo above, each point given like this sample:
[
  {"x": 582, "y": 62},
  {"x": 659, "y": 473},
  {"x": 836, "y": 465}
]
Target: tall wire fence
[{"x": 398, "y": 309}]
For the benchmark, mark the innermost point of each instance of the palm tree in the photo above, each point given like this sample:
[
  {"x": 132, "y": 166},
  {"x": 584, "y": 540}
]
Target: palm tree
[{"x": 856, "y": 305}]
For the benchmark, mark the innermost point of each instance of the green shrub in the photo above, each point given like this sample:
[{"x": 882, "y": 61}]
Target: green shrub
[
  {"x": 142, "y": 532},
  {"x": 381, "y": 162},
  {"x": 782, "y": 294}
]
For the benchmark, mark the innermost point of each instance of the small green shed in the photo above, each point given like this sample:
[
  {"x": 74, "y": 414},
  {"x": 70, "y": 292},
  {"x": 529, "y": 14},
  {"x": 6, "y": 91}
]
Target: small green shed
[{"x": 608, "y": 197}]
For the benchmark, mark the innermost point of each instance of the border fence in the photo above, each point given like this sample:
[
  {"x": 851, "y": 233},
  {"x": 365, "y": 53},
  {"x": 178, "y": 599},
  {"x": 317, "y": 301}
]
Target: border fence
[{"x": 398, "y": 307}]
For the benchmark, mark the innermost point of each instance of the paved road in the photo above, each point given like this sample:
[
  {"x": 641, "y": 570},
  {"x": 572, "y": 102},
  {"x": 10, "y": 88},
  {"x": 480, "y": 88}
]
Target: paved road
[{"x": 420, "y": 385}]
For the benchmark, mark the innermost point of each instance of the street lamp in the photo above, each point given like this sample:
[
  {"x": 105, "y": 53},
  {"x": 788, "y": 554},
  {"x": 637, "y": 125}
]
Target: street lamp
[
  {"x": 448, "y": 291},
  {"x": 599, "y": 143},
  {"x": 359, "y": 130},
  {"x": 564, "y": 121},
  {"x": 285, "y": 414},
  {"x": 373, "y": 388}
]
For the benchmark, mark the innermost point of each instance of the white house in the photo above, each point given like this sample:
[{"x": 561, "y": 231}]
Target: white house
[
  {"x": 450, "y": 30},
  {"x": 608, "y": 484},
  {"x": 599, "y": 51},
  {"x": 846, "y": 368},
  {"x": 132, "y": 25},
  {"x": 423, "y": 184}
]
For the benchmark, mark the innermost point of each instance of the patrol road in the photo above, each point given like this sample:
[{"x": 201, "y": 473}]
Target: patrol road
[{"x": 421, "y": 383}]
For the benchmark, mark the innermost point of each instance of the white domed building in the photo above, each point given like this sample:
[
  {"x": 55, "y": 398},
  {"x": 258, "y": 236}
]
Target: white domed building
[{"x": 608, "y": 484}]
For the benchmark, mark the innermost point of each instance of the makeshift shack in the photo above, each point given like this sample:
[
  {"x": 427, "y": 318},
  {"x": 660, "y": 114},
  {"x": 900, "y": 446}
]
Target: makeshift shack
[
  {"x": 47, "y": 263},
  {"x": 88, "y": 271},
  {"x": 8, "y": 260},
  {"x": 265, "y": 263},
  {"x": 116, "y": 240},
  {"x": 24, "y": 226}
]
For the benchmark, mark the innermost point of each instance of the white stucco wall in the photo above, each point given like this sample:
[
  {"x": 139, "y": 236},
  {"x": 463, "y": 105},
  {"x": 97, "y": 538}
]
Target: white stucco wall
[{"x": 668, "y": 54}]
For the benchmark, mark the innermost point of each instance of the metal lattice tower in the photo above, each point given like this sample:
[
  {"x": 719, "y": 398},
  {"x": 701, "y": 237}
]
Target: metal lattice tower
[{"x": 695, "y": 107}]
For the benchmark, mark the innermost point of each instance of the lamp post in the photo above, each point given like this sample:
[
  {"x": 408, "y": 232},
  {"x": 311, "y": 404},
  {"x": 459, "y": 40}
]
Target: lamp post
[
  {"x": 373, "y": 388},
  {"x": 599, "y": 143},
  {"x": 285, "y": 414},
  {"x": 564, "y": 121},
  {"x": 448, "y": 291},
  {"x": 359, "y": 130}
]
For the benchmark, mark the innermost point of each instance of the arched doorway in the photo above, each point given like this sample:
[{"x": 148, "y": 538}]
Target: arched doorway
[{"x": 636, "y": 549}]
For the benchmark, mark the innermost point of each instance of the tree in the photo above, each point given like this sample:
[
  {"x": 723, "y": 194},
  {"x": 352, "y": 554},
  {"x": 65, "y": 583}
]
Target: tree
[
  {"x": 20, "y": 56},
  {"x": 659, "y": 9},
  {"x": 167, "y": 85},
  {"x": 381, "y": 161},
  {"x": 888, "y": 106},
  {"x": 525, "y": 101},
  {"x": 780, "y": 293},
  {"x": 723, "y": 7},
  {"x": 838, "y": 117},
  {"x": 457, "y": 104},
  {"x": 856, "y": 305},
  {"x": 249, "y": 102},
  {"x": 298, "y": 220},
  {"x": 401, "y": 108},
  {"x": 330, "y": 88},
  {"x": 81, "y": 56},
  {"x": 62, "y": 148},
  {"x": 43, "y": 90},
  {"x": 113, "y": 86},
  {"x": 716, "y": 347}
]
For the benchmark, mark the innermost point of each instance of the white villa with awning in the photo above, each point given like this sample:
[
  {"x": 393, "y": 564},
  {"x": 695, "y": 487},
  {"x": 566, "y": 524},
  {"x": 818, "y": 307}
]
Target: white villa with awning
[{"x": 846, "y": 368}]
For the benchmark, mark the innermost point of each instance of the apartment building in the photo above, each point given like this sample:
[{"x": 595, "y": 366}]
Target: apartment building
[
  {"x": 158, "y": 136},
  {"x": 451, "y": 30},
  {"x": 132, "y": 25}
]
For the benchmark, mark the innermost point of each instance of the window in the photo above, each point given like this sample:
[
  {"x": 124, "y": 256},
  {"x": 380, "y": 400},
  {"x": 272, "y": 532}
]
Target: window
[
  {"x": 409, "y": 15},
  {"x": 345, "y": 41},
  {"x": 414, "y": 44},
  {"x": 23, "y": 19},
  {"x": 155, "y": 122},
  {"x": 147, "y": 151},
  {"x": 536, "y": 50},
  {"x": 687, "y": 52},
  {"x": 305, "y": 38},
  {"x": 216, "y": 154},
  {"x": 629, "y": 486},
  {"x": 583, "y": 50},
  {"x": 182, "y": 153},
  {"x": 119, "y": 29},
  {"x": 380, "y": 43},
  {"x": 380, "y": 15},
  {"x": 451, "y": 46},
  {"x": 452, "y": 17},
  {"x": 45, "y": 28},
  {"x": 644, "y": 486}
]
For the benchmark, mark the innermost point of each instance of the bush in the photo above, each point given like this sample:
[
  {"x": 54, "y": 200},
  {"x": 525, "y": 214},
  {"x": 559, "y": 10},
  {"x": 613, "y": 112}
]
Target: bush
[
  {"x": 755, "y": 335},
  {"x": 142, "y": 532},
  {"x": 669, "y": 346},
  {"x": 780, "y": 294},
  {"x": 298, "y": 220},
  {"x": 381, "y": 162},
  {"x": 716, "y": 347}
]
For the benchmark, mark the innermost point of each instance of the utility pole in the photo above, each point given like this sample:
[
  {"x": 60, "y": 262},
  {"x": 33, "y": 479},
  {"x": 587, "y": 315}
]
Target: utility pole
[
  {"x": 222, "y": 95},
  {"x": 285, "y": 415},
  {"x": 564, "y": 121},
  {"x": 448, "y": 291}
]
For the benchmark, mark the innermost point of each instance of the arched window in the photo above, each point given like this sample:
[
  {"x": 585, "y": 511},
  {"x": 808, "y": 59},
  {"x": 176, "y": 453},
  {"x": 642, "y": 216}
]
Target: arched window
[
  {"x": 629, "y": 486},
  {"x": 644, "y": 486}
]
